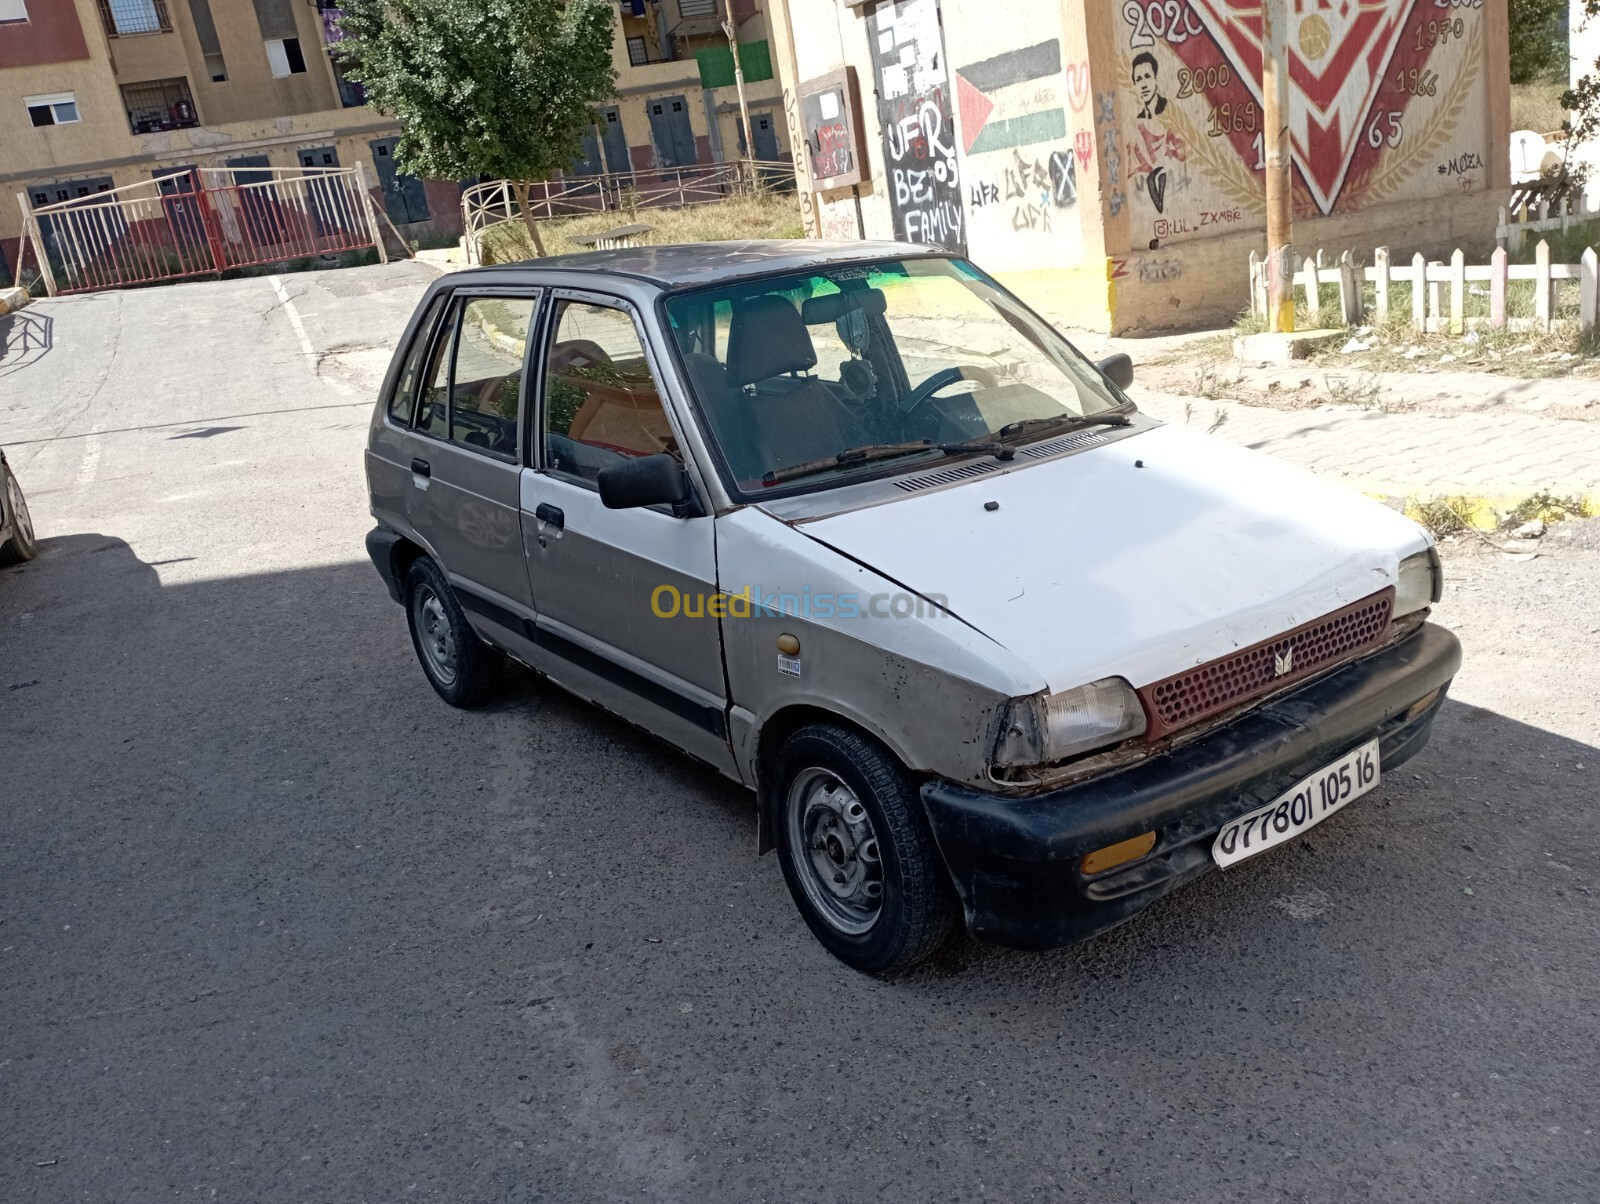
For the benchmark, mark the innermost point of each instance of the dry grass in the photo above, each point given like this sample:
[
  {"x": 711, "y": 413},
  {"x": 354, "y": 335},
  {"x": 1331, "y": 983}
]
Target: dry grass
[
  {"x": 1537, "y": 106},
  {"x": 769, "y": 216}
]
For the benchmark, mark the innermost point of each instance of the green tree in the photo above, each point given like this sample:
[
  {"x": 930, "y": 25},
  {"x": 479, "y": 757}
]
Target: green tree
[
  {"x": 499, "y": 88},
  {"x": 1536, "y": 47}
]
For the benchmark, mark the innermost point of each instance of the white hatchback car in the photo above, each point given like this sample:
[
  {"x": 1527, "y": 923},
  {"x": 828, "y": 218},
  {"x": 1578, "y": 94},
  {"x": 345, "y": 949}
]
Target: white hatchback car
[{"x": 852, "y": 524}]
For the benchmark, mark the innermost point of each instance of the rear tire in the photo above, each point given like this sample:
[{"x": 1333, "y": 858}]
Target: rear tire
[
  {"x": 461, "y": 668},
  {"x": 22, "y": 545},
  {"x": 857, "y": 852}
]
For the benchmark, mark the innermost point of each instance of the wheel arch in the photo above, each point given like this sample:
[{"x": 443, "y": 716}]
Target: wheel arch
[{"x": 777, "y": 729}]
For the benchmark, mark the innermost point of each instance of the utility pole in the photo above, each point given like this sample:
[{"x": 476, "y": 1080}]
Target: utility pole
[
  {"x": 1280, "y": 169},
  {"x": 738, "y": 82}
]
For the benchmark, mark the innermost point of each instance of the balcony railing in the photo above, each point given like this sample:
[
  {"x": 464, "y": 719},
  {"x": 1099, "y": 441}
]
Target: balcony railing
[
  {"x": 129, "y": 18},
  {"x": 160, "y": 104}
]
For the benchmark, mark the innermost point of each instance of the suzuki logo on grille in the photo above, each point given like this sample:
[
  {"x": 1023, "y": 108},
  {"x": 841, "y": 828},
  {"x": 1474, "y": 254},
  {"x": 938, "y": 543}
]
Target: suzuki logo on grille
[{"x": 1283, "y": 662}]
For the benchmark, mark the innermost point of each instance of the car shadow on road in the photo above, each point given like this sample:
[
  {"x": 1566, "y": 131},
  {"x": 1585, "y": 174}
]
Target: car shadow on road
[
  {"x": 288, "y": 675},
  {"x": 26, "y": 337}
]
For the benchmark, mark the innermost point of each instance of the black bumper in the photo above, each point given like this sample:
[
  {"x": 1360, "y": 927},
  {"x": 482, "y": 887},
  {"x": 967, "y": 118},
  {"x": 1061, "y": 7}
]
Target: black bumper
[
  {"x": 381, "y": 543},
  {"x": 1016, "y": 861}
]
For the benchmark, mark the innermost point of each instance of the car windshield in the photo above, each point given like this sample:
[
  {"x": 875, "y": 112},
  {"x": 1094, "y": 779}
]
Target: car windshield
[{"x": 796, "y": 375}]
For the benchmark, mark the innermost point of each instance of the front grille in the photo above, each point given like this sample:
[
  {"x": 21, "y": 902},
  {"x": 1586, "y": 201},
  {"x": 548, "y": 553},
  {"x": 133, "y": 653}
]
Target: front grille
[{"x": 1211, "y": 688}]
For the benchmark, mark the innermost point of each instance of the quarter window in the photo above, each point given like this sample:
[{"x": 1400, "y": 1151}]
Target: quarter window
[
  {"x": 601, "y": 402},
  {"x": 402, "y": 404}
]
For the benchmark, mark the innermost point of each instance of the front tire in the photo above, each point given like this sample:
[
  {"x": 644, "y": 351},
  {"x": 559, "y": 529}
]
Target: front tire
[
  {"x": 22, "y": 545},
  {"x": 462, "y": 669},
  {"x": 857, "y": 852}
]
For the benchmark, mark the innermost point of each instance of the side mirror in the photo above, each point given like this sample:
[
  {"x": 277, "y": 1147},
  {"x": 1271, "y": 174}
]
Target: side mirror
[
  {"x": 1118, "y": 369},
  {"x": 657, "y": 480}
]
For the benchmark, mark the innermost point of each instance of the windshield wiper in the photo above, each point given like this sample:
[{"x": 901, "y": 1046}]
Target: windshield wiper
[
  {"x": 869, "y": 452},
  {"x": 1029, "y": 426}
]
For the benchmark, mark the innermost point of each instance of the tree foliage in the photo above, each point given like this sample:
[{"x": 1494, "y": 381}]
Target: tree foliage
[
  {"x": 501, "y": 88},
  {"x": 1536, "y": 47}
]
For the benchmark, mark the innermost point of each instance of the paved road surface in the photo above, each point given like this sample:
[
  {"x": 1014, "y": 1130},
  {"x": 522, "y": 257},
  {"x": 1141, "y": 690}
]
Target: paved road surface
[{"x": 276, "y": 924}]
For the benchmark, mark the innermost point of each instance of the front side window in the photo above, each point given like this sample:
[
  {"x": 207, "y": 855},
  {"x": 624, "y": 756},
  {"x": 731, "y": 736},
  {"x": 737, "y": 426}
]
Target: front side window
[
  {"x": 791, "y": 371},
  {"x": 601, "y": 401}
]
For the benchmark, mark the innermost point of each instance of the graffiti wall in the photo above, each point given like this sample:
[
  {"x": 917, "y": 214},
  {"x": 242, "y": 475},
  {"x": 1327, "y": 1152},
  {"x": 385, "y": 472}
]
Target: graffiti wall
[
  {"x": 1386, "y": 106},
  {"x": 1026, "y": 138},
  {"x": 912, "y": 81}
]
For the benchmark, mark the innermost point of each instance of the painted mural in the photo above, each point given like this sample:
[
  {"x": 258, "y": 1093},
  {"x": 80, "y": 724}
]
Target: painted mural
[
  {"x": 912, "y": 80},
  {"x": 1381, "y": 108},
  {"x": 1020, "y": 161}
]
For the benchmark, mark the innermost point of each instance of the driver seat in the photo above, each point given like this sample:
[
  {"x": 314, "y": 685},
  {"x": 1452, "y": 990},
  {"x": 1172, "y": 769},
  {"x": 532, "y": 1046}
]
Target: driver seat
[{"x": 795, "y": 418}]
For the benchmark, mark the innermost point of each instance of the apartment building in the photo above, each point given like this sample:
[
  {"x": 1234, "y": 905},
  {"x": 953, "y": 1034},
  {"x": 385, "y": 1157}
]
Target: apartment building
[
  {"x": 676, "y": 101},
  {"x": 96, "y": 94}
]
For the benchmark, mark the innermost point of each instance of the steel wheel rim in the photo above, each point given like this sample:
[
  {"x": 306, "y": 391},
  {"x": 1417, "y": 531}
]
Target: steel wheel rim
[
  {"x": 836, "y": 852},
  {"x": 435, "y": 637},
  {"x": 19, "y": 508}
]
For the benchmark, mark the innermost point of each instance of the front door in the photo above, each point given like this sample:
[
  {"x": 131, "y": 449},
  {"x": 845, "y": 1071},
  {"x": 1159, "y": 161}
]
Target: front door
[
  {"x": 465, "y": 465},
  {"x": 671, "y": 132},
  {"x": 622, "y": 595}
]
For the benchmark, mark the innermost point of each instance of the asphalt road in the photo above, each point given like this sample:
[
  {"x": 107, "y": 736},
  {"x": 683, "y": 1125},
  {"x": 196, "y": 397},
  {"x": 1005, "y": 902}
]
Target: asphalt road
[{"x": 277, "y": 924}]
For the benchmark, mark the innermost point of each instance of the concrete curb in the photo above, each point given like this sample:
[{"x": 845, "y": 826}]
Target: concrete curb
[{"x": 13, "y": 299}]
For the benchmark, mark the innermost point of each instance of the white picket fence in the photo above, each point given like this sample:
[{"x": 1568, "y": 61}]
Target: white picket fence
[
  {"x": 1518, "y": 222},
  {"x": 1439, "y": 305}
]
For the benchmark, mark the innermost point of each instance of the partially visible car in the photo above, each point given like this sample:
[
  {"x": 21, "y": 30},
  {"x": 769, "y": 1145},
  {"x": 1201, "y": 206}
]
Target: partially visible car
[{"x": 16, "y": 525}]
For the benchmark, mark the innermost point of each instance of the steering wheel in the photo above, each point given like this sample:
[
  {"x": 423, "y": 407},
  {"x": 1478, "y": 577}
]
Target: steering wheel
[{"x": 943, "y": 379}]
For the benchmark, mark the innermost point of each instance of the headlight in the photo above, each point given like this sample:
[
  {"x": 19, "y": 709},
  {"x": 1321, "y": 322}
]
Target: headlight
[
  {"x": 1421, "y": 582},
  {"x": 1053, "y": 727}
]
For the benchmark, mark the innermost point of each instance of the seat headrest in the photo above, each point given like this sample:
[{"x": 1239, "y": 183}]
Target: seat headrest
[{"x": 767, "y": 338}]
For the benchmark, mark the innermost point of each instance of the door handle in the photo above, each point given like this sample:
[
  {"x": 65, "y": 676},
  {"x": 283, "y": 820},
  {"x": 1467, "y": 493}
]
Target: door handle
[
  {"x": 421, "y": 468},
  {"x": 546, "y": 513}
]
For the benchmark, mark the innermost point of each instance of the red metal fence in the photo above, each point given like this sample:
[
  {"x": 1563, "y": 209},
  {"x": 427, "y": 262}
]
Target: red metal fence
[{"x": 201, "y": 221}]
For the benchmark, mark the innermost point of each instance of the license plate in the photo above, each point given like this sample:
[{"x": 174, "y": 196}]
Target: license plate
[{"x": 1304, "y": 805}]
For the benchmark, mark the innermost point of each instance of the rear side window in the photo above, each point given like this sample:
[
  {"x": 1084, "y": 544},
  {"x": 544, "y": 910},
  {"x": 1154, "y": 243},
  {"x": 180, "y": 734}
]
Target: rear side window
[
  {"x": 402, "y": 405},
  {"x": 487, "y": 383}
]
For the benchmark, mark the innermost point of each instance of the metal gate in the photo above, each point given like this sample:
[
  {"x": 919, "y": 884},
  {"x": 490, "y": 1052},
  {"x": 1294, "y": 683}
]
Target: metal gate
[{"x": 199, "y": 221}]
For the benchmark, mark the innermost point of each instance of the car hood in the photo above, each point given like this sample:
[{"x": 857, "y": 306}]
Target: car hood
[{"x": 1139, "y": 559}]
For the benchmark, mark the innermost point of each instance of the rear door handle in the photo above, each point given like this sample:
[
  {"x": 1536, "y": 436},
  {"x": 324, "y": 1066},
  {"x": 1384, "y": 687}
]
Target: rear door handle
[
  {"x": 546, "y": 513},
  {"x": 421, "y": 468}
]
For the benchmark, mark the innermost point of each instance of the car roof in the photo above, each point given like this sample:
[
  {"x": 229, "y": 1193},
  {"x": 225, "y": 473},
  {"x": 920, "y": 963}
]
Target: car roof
[{"x": 678, "y": 264}]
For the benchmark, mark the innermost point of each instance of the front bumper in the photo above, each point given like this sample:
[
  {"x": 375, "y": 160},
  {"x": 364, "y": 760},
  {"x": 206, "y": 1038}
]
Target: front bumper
[{"x": 1016, "y": 861}]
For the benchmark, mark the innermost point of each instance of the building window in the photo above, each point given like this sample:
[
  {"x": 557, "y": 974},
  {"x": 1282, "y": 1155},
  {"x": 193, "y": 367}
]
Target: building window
[
  {"x": 284, "y": 57},
  {"x": 13, "y": 10},
  {"x": 160, "y": 104},
  {"x": 216, "y": 68},
  {"x": 638, "y": 52},
  {"x": 58, "y": 108},
  {"x": 126, "y": 18},
  {"x": 697, "y": 8}
]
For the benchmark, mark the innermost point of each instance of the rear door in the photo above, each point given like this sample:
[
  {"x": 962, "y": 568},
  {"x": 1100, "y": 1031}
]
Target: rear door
[
  {"x": 623, "y": 596},
  {"x": 466, "y": 459}
]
